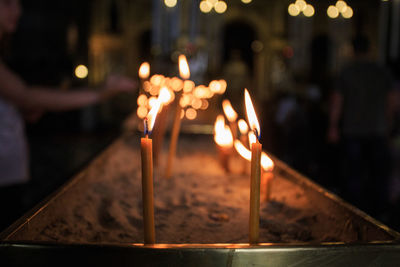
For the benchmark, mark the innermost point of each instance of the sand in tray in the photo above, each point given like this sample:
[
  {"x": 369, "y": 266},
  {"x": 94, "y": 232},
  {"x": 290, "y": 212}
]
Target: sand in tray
[{"x": 199, "y": 204}]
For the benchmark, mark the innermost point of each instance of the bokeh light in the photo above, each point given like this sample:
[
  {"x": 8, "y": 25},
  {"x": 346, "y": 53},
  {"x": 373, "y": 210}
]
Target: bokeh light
[
  {"x": 347, "y": 13},
  {"x": 170, "y": 3},
  {"x": 332, "y": 12},
  {"x": 220, "y": 7},
  {"x": 142, "y": 100},
  {"x": 309, "y": 11},
  {"x": 81, "y": 71},
  {"x": 141, "y": 112},
  {"x": 205, "y": 6},
  {"x": 191, "y": 114},
  {"x": 293, "y": 10}
]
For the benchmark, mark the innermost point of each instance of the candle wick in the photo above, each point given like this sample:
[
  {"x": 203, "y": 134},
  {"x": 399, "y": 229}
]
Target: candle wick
[
  {"x": 257, "y": 134},
  {"x": 146, "y": 126}
]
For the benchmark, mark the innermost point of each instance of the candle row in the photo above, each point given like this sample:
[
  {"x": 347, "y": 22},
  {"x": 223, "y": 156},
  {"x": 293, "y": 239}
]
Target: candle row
[{"x": 223, "y": 137}]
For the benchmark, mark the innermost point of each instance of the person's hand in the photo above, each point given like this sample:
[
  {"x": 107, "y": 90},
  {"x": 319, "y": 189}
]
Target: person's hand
[
  {"x": 116, "y": 84},
  {"x": 333, "y": 135}
]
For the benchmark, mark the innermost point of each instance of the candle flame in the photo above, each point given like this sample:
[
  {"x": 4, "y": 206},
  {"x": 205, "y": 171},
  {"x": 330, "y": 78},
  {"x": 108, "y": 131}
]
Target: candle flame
[
  {"x": 165, "y": 95},
  {"x": 144, "y": 70},
  {"x": 251, "y": 114},
  {"x": 215, "y": 86},
  {"x": 230, "y": 113},
  {"x": 151, "y": 117},
  {"x": 266, "y": 163},
  {"x": 252, "y": 138},
  {"x": 223, "y": 135},
  {"x": 242, "y": 150},
  {"x": 184, "y": 67},
  {"x": 243, "y": 127}
]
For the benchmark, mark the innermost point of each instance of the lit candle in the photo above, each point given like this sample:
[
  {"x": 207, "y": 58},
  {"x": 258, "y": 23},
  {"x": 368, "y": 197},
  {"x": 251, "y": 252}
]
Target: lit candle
[
  {"x": 255, "y": 176},
  {"x": 144, "y": 73},
  {"x": 267, "y": 167},
  {"x": 147, "y": 176},
  {"x": 224, "y": 140},
  {"x": 184, "y": 72},
  {"x": 166, "y": 96},
  {"x": 231, "y": 115}
]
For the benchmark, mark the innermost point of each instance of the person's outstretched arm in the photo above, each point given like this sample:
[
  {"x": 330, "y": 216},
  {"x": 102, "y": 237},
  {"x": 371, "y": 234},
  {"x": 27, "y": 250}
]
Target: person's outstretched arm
[{"x": 17, "y": 92}]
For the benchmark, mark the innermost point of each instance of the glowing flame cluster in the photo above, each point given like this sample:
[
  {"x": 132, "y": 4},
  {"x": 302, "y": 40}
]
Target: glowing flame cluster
[
  {"x": 222, "y": 133},
  {"x": 230, "y": 113},
  {"x": 192, "y": 97}
]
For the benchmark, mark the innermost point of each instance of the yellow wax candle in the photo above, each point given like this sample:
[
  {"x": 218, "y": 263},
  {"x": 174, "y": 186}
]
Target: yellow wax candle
[
  {"x": 255, "y": 177},
  {"x": 174, "y": 140},
  {"x": 147, "y": 190},
  {"x": 184, "y": 72},
  {"x": 266, "y": 184},
  {"x": 146, "y": 148}
]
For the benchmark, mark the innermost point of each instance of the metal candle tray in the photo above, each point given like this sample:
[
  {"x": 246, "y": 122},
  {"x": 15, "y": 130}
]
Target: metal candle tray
[{"x": 378, "y": 245}]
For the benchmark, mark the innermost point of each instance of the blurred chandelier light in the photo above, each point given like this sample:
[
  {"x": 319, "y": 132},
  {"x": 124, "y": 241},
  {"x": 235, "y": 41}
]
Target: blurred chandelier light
[
  {"x": 81, "y": 71},
  {"x": 246, "y": 1},
  {"x": 207, "y": 5},
  {"x": 301, "y": 6},
  {"x": 170, "y": 3},
  {"x": 341, "y": 8}
]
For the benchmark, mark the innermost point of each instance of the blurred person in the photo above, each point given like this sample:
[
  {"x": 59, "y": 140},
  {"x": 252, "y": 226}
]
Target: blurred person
[
  {"x": 361, "y": 111},
  {"x": 18, "y": 100}
]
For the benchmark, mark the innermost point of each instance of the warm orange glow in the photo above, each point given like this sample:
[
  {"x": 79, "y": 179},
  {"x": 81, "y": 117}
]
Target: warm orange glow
[
  {"x": 204, "y": 104},
  {"x": 243, "y": 127},
  {"x": 251, "y": 114},
  {"x": 176, "y": 84},
  {"x": 147, "y": 86},
  {"x": 184, "y": 71},
  {"x": 200, "y": 91},
  {"x": 196, "y": 103},
  {"x": 144, "y": 70},
  {"x": 141, "y": 112},
  {"x": 156, "y": 79},
  {"x": 266, "y": 162},
  {"x": 154, "y": 90},
  {"x": 223, "y": 86},
  {"x": 151, "y": 117},
  {"x": 185, "y": 100},
  {"x": 142, "y": 100},
  {"x": 215, "y": 86},
  {"x": 165, "y": 95},
  {"x": 222, "y": 134},
  {"x": 188, "y": 86},
  {"x": 252, "y": 138},
  {"x": 191, "y": 114},
  {"x": 242, "y": 150},
  {"x": 230, "y": 113},
  {"x": 152, "y": 101}
]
